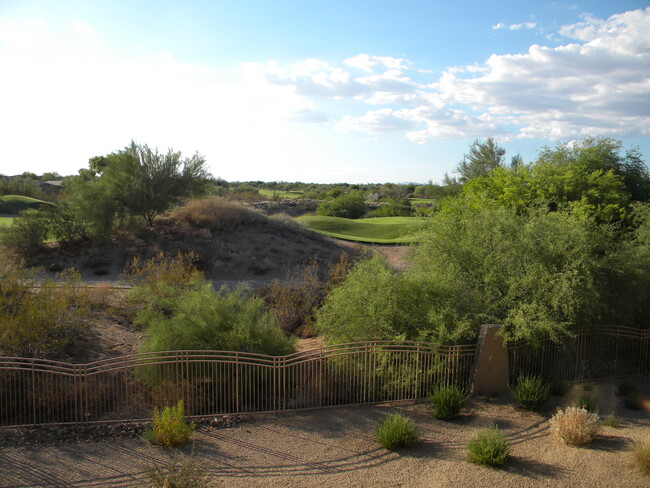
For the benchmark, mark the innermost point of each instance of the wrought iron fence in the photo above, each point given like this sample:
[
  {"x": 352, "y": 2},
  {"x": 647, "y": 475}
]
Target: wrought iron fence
[
  {"x": 592, "y": 354},
  {"x": 37, "y": 391}
]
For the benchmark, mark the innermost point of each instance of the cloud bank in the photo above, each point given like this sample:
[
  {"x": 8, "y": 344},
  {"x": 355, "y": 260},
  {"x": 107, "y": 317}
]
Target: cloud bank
[{"x": 597, "y": 82}]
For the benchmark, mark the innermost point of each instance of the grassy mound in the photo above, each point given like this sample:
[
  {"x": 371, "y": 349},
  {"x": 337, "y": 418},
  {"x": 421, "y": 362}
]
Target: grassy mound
[
  {"x": 382, "y": 230},
  {"x": 14, "y": 204},
  {"x": 6, "y": 221}
]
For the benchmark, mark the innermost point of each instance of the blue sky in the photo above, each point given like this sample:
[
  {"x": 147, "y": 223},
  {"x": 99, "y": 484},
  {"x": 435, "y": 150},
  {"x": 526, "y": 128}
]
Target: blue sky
[{"x": 354, "y": 91}]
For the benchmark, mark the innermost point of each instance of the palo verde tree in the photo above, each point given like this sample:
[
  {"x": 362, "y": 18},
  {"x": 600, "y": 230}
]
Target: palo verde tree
[{"x": 147, "y": 183}]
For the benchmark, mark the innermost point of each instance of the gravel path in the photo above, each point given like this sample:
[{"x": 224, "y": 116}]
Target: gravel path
[{"x": 336, "y": 448}]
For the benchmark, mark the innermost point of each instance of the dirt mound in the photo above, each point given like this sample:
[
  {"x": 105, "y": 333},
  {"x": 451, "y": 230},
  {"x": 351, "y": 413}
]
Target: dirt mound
[{"x": 231, "y": 243}]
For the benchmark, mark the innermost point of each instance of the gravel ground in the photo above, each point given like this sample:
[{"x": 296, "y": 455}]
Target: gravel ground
[{"x": 336, "y": 448}]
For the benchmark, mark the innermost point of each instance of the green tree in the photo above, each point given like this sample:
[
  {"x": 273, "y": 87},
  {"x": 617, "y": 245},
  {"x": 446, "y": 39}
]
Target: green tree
[
  {"x": 147, "y": 183},
  {"x": 349, "y": 205},
  {"x": 482, "y": 158}
]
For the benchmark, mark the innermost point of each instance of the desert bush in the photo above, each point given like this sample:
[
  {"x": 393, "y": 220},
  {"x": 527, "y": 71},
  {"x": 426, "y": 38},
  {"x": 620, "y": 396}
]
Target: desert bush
[
  {"x": 349, "y": 205},
  {"x": 26, "y": 234},
  {"x": 641, "y": 453},
  {"x": 207, "y": 320},
  {"x": 395, "y": 431},
  {"x": 611, "y": 421},
  {"x": 588, "y": 401},
  {"x": 530, "y": 392},
  {"x": 178, "y": 475},
  {"x": 169, "y": 428},
  {"x": 447, "y": 401},
  {"x": 215, "y": 214},
  {"x": 489, "y": 448},
  {"x": 575, "y": 426},
  {"x": 44, "y": 321}
]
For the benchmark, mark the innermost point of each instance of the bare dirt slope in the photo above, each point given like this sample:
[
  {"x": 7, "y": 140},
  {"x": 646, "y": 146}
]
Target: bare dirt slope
[{"x": 336, "y": 448}]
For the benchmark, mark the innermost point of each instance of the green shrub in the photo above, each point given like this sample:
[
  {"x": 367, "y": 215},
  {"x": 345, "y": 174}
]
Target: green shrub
[
  {"x": 587, "y": 387},
  {"x": 349, "y": 206},
  {"x": 625, "y": 388},
  {"x": 588, "y": 402},
  {"x": 559, "y": 388},
  {"x": 178, "y": 475},
  {"x": 447, "y": 401},
  {"x": 574, "y": 426},
  {"x": 611, "y": 421},
  {"x": 642, "y": 455},
  {"x": 396, "y": 431},
  {"x": 530, "y": 392},
  {"x": 489, "y": 448},
  {"x": 169, "y": 427}
]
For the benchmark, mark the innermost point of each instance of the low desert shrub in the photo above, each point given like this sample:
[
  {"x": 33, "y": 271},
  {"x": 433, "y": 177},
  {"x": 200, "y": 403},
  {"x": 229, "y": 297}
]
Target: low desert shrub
[
  {"x": 611, "y": 421},
  {"x": 178, "y": 475},
  {"x": 642, "y": 455},
  {"x": 588, "y": 401},
  {"x": 395, "y": 431},
  {"x": 489, "y": 448},
  {"x": 575, "y": 426},
  {"x": 587, "y": 387},
  {"x": 559, "y": 388},
  {"x": 530, "y": 393},
  {"x": 447, "y": 401},
  {"x": 169, "y": 427},
  {"x": 215, "y": 214}
]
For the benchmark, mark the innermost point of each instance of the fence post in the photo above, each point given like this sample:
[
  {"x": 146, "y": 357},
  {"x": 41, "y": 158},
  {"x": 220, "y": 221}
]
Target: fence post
[{"x": 491, "y": 367}]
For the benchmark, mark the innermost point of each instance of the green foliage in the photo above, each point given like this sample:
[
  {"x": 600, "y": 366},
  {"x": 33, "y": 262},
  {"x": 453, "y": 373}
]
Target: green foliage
[
  {"x": 45, "y": 321},
  {"x": 349, "y": 206},
  {"x": 373, "y": 303},
  {"x": 447, "y": 402},
  {"x": 611, "y": 421},
  {"x": 536, "y": 273},
  {"x": 489, "y": 448},
  {"x": 178, "y": 475},
  {"x": 395, "y": 431},
  {"x": 169, "y": 427},
  {"x": 401, "y": 208},
  {"x": 26, "y": 234},
  {"x": 588, "y": 402},
  {"x": 530, "y": 392},
  {"x": 641, "y": 453},
  {"x": 197, "y": 317},
  {"x": 482, "y": 158}
]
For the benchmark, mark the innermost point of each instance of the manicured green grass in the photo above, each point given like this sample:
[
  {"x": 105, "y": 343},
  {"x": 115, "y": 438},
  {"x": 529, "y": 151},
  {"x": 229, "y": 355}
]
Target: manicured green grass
[
  {"x": 5, "y": 222},
  {"x": 281, "y": 194},
  {"x": 381, "y": 230},
  {"x": 14, "y": 204},
  {"x": 425, "y": 201}
]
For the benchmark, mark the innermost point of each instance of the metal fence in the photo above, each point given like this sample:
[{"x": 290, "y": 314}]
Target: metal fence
[
  {"x": 598, "y": 353},
  {"x": 37, "y": 391}
]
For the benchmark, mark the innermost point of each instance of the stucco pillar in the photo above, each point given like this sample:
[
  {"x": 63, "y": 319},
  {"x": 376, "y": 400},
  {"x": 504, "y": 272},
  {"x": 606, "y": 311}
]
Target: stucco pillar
[{"x": 491, "y": 369}]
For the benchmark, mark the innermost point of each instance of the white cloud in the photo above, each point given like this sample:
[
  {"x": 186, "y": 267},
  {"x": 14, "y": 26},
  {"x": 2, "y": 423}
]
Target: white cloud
[
  {"x": 514, "y": 27},
  {"x": 595, "y": 84}
]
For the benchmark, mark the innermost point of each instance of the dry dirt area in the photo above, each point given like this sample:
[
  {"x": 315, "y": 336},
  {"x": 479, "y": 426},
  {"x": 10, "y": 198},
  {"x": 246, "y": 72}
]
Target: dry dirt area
[{"x": 336, "y": 448}]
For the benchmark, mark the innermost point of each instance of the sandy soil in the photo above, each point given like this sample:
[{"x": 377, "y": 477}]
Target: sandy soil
[{"x": 336, "y": 448}]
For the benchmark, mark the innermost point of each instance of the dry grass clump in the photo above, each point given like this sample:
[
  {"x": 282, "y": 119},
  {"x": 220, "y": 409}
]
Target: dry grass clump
[
  {"x": 575, "y": 426},
  {"x": 642, "y": 455},
  {"x": 215, "y": 214}
]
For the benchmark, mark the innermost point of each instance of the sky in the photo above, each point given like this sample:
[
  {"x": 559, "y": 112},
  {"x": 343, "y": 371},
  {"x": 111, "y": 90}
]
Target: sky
[{"x": 357, "y": 91}]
